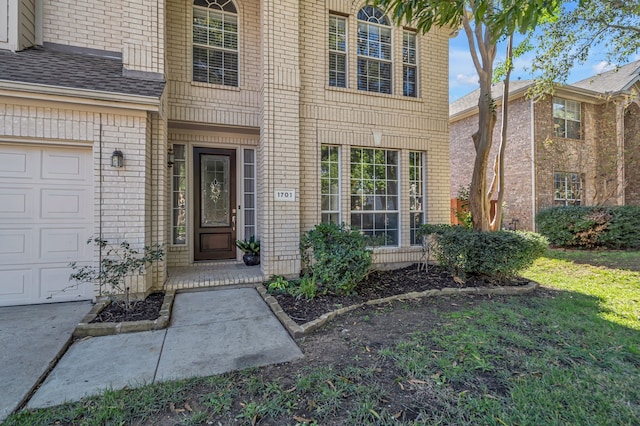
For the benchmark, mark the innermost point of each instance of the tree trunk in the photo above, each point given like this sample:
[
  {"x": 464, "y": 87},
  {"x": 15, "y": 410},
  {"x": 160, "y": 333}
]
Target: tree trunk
[
  {"x": 479, "y": 204},
  {"x": 496, "y": 221}
]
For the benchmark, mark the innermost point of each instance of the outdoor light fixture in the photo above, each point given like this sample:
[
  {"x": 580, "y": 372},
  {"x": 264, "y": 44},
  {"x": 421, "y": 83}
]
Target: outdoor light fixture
[
  {"x": 117, "y": 159},
  {"x": 171, "y": 157}
]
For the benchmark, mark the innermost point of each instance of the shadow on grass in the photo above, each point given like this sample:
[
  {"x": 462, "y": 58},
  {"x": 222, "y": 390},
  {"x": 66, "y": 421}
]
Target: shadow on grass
[{"x": 613, "y": 259}]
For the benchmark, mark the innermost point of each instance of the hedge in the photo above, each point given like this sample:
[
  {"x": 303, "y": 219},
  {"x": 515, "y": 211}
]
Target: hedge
[
  {"x": 500, "y": 255},
  {"x": 587, "y": 227}
]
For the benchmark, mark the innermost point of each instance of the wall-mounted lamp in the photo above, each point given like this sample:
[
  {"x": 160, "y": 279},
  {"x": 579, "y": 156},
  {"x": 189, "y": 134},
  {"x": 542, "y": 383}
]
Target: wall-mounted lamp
[
  {"x": 117, "y": 159},
  {"x": 171, "y": 157}
]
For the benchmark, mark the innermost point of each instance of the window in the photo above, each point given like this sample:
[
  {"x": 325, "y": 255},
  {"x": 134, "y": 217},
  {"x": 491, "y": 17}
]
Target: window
[
  {"x": 337, "y": 51},
  {"x": 215, "y": 42},
  {"x": 416, "y": 196},
  {"x": 567, "y": 118},
  {"x": 567, "y": 189},
  {"x": 409, "y": 65},
  {"x": 374, "y": 51},
  {"x": 330, "y": 184},
  {"x": 178, "y": 192},
  {"x": 374, "y": 194},
  {"x": 249, "y": 193}
]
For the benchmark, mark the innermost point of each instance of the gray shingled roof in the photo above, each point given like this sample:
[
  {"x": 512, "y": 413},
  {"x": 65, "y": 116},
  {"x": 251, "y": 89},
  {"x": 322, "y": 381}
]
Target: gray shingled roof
[
  {"x": 73, "y": 70},
  {"x": 613, "y": 81},
  {"x": 470, "y": 100}
]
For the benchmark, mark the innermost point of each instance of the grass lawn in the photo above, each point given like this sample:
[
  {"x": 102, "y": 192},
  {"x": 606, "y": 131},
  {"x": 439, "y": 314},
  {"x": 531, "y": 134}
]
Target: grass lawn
[{"x": 568, "y": 354}]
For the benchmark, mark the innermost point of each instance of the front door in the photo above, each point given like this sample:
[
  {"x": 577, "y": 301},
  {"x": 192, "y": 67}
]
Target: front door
[{"x": 215, "y": 202}]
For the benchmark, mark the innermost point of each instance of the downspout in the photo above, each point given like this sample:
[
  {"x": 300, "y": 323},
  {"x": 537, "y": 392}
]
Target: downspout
[
  {"x": 100, "y": 198},
  {"x": 533, "y": 168}
]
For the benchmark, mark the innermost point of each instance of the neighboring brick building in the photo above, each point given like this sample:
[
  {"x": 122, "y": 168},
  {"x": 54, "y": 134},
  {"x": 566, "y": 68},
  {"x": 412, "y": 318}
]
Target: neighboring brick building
[
  {"x": 233, "y": 117},
  {"x": 579, "y": 146}
]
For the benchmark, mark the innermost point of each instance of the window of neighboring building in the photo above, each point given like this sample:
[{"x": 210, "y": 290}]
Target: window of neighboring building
[
  {"x": 178, "y": 191},
  {"x": 409, "y": 65},
  {"x": 337, "y": 51},
  {"x": 374, "y": 51},
  {"x": 567, "y": 118},
  {"x": 374, "y": 194},
  {"x": 416, "y": 194},
  {"x": 567, "y": 189},
  {"x": 330, "y": 183},
  {"x": 215, "y": 42}
]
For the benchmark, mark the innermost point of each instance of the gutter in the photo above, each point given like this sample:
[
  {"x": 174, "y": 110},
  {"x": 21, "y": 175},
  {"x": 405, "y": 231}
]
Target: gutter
[{"x": 42, "y": 92}]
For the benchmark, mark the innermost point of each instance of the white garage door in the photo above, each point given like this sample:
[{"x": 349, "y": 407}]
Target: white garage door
[{"x": 46, "y": 217}]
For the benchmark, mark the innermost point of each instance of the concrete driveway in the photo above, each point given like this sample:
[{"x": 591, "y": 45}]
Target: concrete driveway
[{"x": 31, "y": 339}]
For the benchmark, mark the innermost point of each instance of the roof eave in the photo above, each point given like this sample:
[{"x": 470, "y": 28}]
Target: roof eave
[{"x": 79, "y": 96}]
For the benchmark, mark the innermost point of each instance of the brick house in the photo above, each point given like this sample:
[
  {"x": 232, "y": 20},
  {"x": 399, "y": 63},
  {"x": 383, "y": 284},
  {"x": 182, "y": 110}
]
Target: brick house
[
  {"x": 196, "y": 123},
  {"x": 579, "y": 146}
]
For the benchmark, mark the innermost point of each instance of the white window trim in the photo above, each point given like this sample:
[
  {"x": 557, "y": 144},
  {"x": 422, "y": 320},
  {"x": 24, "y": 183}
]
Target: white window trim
[
  {"x": 345, "y": 53},
  {"x": 415, "y": 66},
  {"x": 557, "y": 100},
  {"x": 391, "y": 29},
  {"x": 339, "y": 211}
]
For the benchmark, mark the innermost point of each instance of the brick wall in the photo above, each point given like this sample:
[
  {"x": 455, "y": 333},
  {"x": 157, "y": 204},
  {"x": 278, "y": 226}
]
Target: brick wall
[{"x": 632, "y": 154}]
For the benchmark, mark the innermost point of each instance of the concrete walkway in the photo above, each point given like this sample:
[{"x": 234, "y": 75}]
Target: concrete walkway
[{"x": 211, "y": 332}]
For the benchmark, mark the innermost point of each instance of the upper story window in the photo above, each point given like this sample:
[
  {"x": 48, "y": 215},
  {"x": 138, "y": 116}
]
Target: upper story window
[
  {"x": 215, "y": 42},
  {"x": 374, "y": 51},
  {"x": 337, "y": 51},
  {"x": 567, "y": 118},
  {"x": 409, "y": 65}
]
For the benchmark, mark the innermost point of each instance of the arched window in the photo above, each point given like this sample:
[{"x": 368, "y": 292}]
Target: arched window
[
  {"x": 215, "y": 42},
  {"x": 374, "y": 51}
]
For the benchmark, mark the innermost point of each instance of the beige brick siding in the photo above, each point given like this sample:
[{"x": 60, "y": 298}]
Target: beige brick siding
[{"x": 632, "y": 154}]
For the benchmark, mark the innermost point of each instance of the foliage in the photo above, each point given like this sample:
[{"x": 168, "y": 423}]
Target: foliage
[
  {"x": 116, "y": 263},
  {"x": 615, "y": 227},
  {"x": 463, "y": 214},
  {"x": 582, "y": 27},
  {"x": 277, "y": 283},
  {"x": 250, "y": 246},
  {"x": 336, "y": 256},
  {"x": 484, "y": 23},
  {"x": 499, "y": 255}
]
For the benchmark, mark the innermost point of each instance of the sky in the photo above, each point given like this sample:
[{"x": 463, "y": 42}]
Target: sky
[{"x": 463, "y": 78}]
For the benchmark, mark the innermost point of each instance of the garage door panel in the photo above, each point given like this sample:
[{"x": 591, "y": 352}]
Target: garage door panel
[
  {"x": 16, "y": 286},
  {"x": 17, "y": 163},
  {"x": 16, "y": 246},
  {"x": 16, "y": 203},
  {"x": 64, "y": 244},
  {"x": 66, "y": 165},
  {"x": 64, "y": 204},
  {"x": 46, "y": 217},
  {"x": 56, "y": 287}
]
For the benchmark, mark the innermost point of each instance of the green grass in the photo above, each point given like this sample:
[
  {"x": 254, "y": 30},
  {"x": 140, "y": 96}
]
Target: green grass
[{"x": 566, "y": 354}]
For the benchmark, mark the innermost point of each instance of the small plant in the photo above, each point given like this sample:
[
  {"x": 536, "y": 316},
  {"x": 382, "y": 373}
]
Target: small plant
[
  {"x": 306, "y": 288},
  {"x": 336, "y": 256},
  {"x": 463, "y": 214},
  {"x": 277, "y": 283},
  {"x": 250, "y": 246},
  {"x": 116, "y": 264}
]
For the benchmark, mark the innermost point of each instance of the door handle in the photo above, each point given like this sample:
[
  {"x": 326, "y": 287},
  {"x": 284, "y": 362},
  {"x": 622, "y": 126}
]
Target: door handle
[{"x": 233, "y": 222}]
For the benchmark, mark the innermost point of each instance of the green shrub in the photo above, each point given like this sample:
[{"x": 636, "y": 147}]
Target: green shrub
[
  {"x": 336, "y": 256},
  {"x": 615, "y": 227},
  {"x": 499, "y": 255}
]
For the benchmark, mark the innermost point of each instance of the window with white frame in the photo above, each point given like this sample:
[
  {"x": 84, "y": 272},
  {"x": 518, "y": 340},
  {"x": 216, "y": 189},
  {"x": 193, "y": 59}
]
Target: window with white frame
[
  {"x": 178, "y": 192},
  {"x": 567, "y": 189},
  {"x": 337, "y": 51},
  {"x": 567, "y": 118},
  {"x": 374, "y": 194},
  {"x": 215, "y": 42},
  {"x": 416, "y": 195},
  {"x": 409, "y": 64},
  {"x": 249, "y": 177},
  {"x": 330, "y": 184},
  {"x": 374, "y": 51}
]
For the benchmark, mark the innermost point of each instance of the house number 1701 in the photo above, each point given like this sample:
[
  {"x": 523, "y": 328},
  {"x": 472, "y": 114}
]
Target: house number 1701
[{"x": 285, "y": 195}]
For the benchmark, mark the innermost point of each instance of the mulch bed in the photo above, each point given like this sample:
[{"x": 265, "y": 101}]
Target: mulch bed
[
  {"x": 378, "y": 285},
  {"x": 148, "y": 309}
]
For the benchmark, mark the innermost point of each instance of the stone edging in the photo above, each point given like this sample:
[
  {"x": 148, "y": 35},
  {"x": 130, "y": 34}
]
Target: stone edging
[
  {"x": 85, "y": 328},
  {"x": 296, "y": 330}
]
